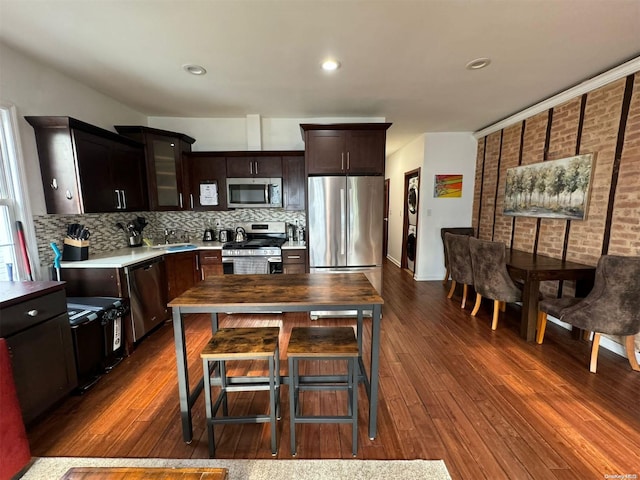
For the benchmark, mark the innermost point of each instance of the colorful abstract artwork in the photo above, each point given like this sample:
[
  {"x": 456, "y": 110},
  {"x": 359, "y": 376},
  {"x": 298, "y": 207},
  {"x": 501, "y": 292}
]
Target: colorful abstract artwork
[{"x": 448, "y": 186}]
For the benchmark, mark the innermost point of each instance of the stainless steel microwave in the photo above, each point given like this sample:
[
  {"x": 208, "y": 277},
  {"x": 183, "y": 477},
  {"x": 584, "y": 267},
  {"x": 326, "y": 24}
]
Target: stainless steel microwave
[{"x": 254, "y": 192}]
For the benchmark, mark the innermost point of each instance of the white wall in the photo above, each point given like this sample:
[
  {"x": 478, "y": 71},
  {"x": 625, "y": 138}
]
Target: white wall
[
  {"x": 445, "y": 153},
  {"x": 409, "y": 157},
  {"x": 213, "y": 134},
  {"x": 434, "y": 153},
  {"x": 35, "y": 89}
]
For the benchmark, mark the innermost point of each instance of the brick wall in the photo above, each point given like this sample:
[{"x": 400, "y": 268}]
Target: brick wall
[
  {"x": 562, "y": 143},
  {"x": 478, "y": 182},
  {"x": 510, "y": 158},
  {"x": 491, "y": 160},
  {"x": 585, "y": 124},
  {"x": 625, "y": 226},
  {"x": 599, "y": 134}
]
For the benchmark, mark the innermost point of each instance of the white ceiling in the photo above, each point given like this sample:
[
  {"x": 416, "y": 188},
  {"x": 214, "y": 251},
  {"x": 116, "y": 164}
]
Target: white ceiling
[{"x": 402, "y": 60}]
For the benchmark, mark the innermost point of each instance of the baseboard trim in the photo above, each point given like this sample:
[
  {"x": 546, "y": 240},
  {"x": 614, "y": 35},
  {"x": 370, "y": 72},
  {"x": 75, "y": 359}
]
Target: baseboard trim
[{"x": 605, "y": 342}]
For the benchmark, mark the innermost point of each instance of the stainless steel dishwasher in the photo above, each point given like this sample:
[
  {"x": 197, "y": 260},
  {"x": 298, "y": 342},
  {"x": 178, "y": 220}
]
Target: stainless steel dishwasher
[{"x": 147, "y": 284}]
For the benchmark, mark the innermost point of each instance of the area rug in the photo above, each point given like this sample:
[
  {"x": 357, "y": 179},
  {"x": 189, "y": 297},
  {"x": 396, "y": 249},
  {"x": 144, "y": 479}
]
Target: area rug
[{"x": 53, "y": 468}]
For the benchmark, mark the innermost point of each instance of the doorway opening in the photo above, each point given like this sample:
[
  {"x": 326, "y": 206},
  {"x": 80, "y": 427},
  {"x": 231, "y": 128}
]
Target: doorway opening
[{"x": 410, "y": 222}]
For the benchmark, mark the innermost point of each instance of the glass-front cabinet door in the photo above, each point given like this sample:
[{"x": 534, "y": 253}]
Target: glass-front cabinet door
[
  {"x": 166, "y": 164},
  {"x": 165, "y": 176}
]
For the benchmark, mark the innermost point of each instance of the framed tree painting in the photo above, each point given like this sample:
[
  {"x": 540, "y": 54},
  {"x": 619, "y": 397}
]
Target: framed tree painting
[{"x": 552, "y": 189}]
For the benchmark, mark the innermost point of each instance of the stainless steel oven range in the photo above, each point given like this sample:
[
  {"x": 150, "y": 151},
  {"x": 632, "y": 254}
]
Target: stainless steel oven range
[{"x": 260, "y": 253}]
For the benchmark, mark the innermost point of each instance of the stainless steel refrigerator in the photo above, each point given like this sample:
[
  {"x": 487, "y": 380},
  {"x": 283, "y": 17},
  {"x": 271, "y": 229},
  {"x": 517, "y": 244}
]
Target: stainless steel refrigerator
[{"x": 345, "y": 226}]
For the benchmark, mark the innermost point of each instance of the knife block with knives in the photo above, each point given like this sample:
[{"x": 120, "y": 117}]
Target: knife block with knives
[{"x": 76, "y": 244}]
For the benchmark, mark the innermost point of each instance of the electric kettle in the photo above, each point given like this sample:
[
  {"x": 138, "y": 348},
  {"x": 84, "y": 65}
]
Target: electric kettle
[
  {"x": 241, "y": 234},
  {"x": 225, "y": 235}
]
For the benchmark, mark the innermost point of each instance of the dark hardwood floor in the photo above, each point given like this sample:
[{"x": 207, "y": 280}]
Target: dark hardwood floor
[{"x": 488, "y": 403}]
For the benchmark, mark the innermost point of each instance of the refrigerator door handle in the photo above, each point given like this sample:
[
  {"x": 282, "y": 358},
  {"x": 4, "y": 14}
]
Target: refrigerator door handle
[{"x": 343, "y": 222}]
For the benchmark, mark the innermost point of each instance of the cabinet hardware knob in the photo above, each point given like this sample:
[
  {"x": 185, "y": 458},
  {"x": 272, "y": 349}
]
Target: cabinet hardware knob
[
  {"x": 54, "y": 184},
  {"x": 68, "y": 195},
  {"x": 33, "y": 313}
]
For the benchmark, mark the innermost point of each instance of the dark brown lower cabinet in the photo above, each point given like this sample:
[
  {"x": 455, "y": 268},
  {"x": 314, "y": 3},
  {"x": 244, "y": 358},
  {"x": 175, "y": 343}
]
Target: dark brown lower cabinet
[
  {"x": 294, "y": 260},
  {"x": 210, "y": 263},
  {"x": 183, "y": 272},
  {"x": 34, "y": 321}
]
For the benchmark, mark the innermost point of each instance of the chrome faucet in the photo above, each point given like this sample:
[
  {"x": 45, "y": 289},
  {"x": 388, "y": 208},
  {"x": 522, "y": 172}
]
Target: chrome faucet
[{"x": 169, "y": 236}]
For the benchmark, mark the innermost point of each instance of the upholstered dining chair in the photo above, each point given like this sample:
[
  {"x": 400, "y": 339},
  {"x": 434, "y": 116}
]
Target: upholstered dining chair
[
  {"x": 455, "y": 231},
  {"x": 612, "y": 307},
  {"x": 459, "y": 261},
  {"x": 491, "y": 278}
]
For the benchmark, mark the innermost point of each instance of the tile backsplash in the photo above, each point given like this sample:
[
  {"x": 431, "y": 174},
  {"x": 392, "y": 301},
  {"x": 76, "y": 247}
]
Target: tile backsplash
[{"x": 105, "y": 236}]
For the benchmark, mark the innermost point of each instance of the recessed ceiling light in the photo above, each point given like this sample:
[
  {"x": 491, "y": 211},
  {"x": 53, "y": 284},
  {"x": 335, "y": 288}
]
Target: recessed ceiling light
[
  {"x": 478, "y": 63},
  {"x": 194, "y": 69},
  {"x": 330, "y": 65}
]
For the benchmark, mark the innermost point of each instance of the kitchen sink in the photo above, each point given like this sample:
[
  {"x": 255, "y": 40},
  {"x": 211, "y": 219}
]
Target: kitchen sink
[{"x": 165, "y": 246}]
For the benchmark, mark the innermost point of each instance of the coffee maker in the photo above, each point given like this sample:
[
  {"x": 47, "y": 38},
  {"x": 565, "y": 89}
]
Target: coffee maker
[{"x": 209, "y": 233}]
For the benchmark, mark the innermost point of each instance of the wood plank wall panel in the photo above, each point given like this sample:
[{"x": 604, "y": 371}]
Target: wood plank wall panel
[
  {"x": 509, "y": 159},
  {"x": 625, "y": 225},
  {"x": 491, "y": 160},
  {"x": 599, "y": 134},
  {"x": 535, "y": 135}
]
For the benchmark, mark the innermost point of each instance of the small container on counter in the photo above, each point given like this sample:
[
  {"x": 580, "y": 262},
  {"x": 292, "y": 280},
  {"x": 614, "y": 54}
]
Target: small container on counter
[{"x": 75, "y": 250}]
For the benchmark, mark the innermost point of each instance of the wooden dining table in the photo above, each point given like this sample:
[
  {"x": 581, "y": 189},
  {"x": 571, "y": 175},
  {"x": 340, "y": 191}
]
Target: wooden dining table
[
  {"x": 278, "y": 293},
  {"x": 533, "y": 268}
]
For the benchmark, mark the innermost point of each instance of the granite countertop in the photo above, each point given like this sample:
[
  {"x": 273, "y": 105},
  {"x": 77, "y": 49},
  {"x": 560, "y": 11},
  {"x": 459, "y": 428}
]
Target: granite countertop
[{"x": 124, "y": 257}]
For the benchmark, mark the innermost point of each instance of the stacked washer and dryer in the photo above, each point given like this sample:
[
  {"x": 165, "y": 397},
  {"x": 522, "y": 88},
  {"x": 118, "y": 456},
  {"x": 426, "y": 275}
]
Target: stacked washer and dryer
[{"x": 412, "y": 233}]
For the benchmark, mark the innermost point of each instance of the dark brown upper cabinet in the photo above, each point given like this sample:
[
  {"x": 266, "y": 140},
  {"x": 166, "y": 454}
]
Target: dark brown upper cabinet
[
  {"x": 165, "y": 173},
  {"x": 345, "y": 148},
  {"x": 86, "y": 169},
  {"x": 243, "y": 165},
  {"x": 207, "y": 173},
  {"x": 294, "y": 182}
]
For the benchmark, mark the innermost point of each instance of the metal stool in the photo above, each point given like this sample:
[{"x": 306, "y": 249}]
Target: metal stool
[
  {"x": 241, "y": 344},
  {"x": 323, "y": 343}
]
